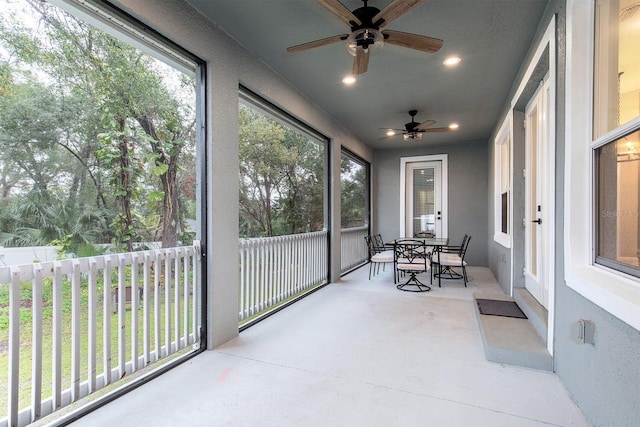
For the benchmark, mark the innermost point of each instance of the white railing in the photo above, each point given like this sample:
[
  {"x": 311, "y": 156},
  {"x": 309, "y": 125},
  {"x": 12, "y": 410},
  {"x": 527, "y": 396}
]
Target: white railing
[
  {"x": 353, "y": 248},
  {"x": 80, "y": 338},
  {"x": 273, "y": 269}
]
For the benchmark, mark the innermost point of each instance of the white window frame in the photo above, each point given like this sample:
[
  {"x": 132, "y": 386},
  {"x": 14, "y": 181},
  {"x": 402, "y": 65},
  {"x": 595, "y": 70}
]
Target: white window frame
[
  {"x": 614, "y": 291},
  {"x": 504, "y": 136}
]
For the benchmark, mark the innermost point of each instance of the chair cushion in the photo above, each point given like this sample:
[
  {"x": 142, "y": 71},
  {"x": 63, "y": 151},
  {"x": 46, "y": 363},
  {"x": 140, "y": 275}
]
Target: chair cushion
[
  {"x": 450, "y": 260},
  {"x": 384, "y": 256},
  {"x": 405, "y": 264}
]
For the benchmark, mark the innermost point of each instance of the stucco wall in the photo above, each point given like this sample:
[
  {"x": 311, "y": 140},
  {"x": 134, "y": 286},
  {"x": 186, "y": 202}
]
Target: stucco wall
[
  {"x": 603, "y": 378},
  {"x": 228, "y": 66},
  {"x": 468, "y": 193}
]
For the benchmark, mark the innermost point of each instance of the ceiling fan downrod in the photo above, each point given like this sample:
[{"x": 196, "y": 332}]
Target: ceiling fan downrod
[{"x": 366, "y": 14}]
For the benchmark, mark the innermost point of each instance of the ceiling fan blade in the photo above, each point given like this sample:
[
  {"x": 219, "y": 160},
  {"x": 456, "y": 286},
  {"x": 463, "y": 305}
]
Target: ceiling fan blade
[
  {"x": 340, "y": 11},
  {"x": 317, "y": 43},
  {"x": 412, "y": 41},
  {"x": 394, "y": 10},
  {"x": 361, "y": 61},
  {"x": 445, "y": 129},
  {"x": 424, "y": 125}
]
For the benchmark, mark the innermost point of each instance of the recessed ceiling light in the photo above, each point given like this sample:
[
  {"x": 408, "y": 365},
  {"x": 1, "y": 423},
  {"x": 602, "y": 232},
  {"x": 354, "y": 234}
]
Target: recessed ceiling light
[
  {"x": 349, "y": 80},
  {"x": 453, "y": 126},
  {"x": 390, "y": 132},
  {"x": 452, "y": 60}
]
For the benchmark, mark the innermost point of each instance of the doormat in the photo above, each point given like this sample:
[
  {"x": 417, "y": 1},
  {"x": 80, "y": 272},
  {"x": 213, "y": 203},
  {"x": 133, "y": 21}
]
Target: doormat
[{"x": 500, "y": 308}]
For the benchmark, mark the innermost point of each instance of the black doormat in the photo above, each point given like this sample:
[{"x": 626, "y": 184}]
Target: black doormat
[{"x": 500, "y": 308}]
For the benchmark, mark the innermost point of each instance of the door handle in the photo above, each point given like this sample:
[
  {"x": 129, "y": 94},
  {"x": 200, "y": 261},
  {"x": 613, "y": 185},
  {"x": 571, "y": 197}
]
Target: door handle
[{"x": 538, "y": 221}]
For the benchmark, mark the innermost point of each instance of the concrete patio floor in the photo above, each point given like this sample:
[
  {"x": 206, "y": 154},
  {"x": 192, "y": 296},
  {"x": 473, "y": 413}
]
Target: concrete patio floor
[{"x": 355, "y": 353}]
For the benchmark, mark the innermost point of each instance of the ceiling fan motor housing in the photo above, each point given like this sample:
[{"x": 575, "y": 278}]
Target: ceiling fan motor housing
[
  {"x": 368, "y": 32},
  {"x": 366, "y": 14}
]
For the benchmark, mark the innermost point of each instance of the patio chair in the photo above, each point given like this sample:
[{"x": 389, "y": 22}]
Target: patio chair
[
  {"x": 428, "y": 234},
  {"x": 450, "y": 257},
  {"x": 378, "y": 254},
  {"x": 411, "y": 257}
]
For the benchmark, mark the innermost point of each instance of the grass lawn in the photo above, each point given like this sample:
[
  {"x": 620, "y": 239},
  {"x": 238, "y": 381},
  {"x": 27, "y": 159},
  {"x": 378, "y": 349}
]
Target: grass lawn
[{"x": 26, "y": 330}]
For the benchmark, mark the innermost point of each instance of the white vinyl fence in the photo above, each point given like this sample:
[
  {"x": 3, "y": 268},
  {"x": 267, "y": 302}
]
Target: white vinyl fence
[
  {"x": 77, "y": 325},
  {"x": 273, "y": 269},
  {"x": 353, "y": 248}
]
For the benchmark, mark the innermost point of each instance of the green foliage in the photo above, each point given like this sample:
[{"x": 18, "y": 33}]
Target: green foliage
[
  {"x": 281, "y": 177},
  {"x": 95, "y": 126},
  {"x": 353, "y": 182}
]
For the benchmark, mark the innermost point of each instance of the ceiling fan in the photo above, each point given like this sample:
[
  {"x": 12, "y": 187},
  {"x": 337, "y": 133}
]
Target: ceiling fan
[
  {"x": 365, "y": 23},
  {"x": 413, "y": 130}
]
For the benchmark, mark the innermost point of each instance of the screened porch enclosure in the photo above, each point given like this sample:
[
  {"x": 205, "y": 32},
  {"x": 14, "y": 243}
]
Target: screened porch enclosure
[{"x": 93, "y": 322}]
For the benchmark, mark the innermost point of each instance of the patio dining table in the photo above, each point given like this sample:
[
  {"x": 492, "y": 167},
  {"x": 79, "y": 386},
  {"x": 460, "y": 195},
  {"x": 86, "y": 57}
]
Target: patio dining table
[{"x": 435, "y": 242}]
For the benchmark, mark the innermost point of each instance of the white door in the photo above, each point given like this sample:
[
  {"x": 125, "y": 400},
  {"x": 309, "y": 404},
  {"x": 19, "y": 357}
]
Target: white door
[
  {"x": 537, "y": 213},
  {"x": 424, "y": 210}
]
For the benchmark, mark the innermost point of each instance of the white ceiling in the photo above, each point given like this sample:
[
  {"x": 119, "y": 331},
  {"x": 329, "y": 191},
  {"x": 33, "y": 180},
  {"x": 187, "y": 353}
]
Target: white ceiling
[{"x": 491, "y": 37}]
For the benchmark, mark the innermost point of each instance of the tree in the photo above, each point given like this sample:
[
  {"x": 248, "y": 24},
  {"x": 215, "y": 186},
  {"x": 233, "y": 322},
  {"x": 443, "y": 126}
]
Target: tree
[
  {"x": 281, "y": 177},
  {"x": 120, "y": 149},
  {"x": 353, "y": 194},
  {"x": 263, "y": 160}
]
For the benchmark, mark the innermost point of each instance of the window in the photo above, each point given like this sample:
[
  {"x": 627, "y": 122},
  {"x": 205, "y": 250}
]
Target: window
[
  {"x": 100, "y": 148},
  {"x": 95, "y": 128},
  {"x": 354, "y": 194},
  {"x": 598, "y": 120},
  {"x": 354, "y": 208},
  {"x": 617, "y": 148},
  {"x": 502, "y": 183},
  {"x": 283, "y": 211},
  {"x": 282, "y": 172}
]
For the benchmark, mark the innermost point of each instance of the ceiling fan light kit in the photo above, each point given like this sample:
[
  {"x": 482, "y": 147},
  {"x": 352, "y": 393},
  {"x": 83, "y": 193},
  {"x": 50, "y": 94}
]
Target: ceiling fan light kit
[
  {"x": 365, "y": 38},
  {"x": 412, "y": 136}
]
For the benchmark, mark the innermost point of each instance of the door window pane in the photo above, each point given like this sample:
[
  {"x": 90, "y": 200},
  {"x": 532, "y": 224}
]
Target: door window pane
[{"x": 423, "y": 200}]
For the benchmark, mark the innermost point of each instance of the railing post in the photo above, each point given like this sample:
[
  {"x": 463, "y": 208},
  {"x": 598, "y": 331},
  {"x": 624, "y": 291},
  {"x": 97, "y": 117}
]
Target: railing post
[
  {"x": 176, "y": 300},
  {"x": 135, "y": 305},
  {"x": 121, "y": 307},
  {"x": 57, "y": 335},
  {"x": 93, "y": 305},
  {"x": 145, "y": 306},
  {"x": 75, "y": 330},
  {"x": 36, "y": 362},
  {"x": 185, "y": 296},
  {"x": 156, "y": 304},
  {"x": 106, "y": 320},
  {"x": 14, "y": 346},
  {"x": 167, "y": 303},
  {"x": 197, "y": 265}
]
